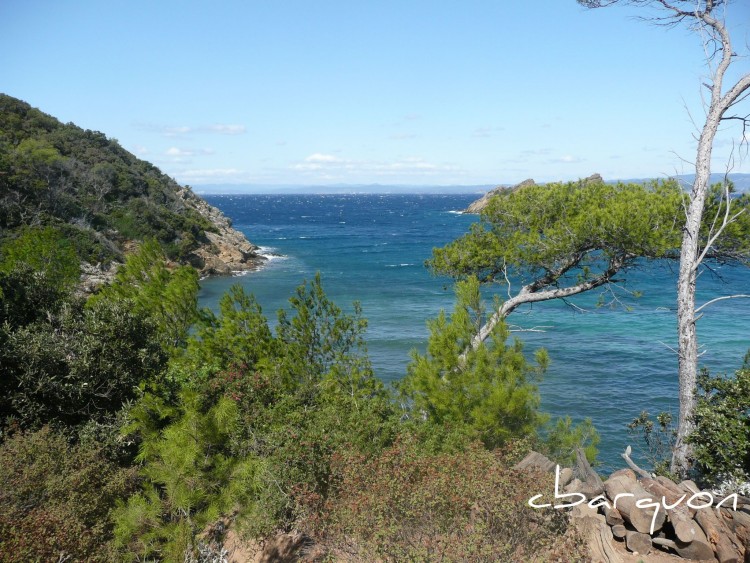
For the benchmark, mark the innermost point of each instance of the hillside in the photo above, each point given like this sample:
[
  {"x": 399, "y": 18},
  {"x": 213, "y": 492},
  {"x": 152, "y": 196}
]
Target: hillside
[{"x": 104, "y": 199}]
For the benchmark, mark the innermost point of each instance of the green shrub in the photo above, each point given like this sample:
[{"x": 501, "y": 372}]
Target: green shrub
[
  {"x": 190, "y": 480},
  {"x": 563, "y": 438},
  {"x": 45, "y": 250},
  {"x": 488, "y": 392},
  {"x": 56, "y": 498},
  {"x": 79, "y": 365},
  {"x": 721, "y": 438}
]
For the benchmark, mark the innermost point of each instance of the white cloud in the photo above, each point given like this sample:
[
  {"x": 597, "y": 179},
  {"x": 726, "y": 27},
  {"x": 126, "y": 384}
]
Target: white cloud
[
  {"x": 319, "y": 157},
  {"x": 536, "y": 152},
  {"x": 175, "y": 131},
  {"x": 174, "y": 151},
  {"x": 402, "y": 136},
  {"x": 486, "y": 132},
  {"x": 226, "y": 129},
  {"x": 329, "y": 167},
  {"x": 186, "y": 130},
  {"x": 140, "y": 150},
  {"x": 568, "y": 159}
]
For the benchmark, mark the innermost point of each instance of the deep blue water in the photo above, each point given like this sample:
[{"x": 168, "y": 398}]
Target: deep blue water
[{"x": 606, "y": 363}]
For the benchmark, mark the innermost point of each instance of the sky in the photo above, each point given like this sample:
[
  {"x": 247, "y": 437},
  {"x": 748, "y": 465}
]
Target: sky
[{"x": 411, "y": 92}]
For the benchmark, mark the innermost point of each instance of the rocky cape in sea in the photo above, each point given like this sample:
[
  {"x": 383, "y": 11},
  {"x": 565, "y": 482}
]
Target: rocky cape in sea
[{"x": 220, "y": 252}]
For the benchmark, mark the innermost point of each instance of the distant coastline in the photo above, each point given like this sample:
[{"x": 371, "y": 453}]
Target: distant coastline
[{"x": 741, "y": 181}]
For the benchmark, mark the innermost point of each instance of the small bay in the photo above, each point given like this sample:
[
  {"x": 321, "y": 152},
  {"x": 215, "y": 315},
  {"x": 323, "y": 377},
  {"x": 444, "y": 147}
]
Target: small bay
[{"x": 608, "y": 362}]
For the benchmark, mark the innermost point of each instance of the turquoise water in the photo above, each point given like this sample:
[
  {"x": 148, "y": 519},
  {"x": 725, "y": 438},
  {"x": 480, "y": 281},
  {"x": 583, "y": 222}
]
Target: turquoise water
[{"x": 607, "y": 363}]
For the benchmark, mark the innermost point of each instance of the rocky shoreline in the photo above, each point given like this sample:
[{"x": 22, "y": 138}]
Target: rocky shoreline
[{"x": 224, "y": 252}]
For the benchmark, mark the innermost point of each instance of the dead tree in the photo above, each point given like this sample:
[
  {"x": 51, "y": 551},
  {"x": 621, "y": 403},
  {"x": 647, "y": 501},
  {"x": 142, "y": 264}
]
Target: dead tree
[{"x": 707, "y": 17}]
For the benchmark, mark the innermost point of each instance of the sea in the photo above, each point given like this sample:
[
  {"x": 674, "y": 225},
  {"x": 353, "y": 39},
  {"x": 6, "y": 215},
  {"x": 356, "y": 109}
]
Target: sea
[{"x": 612, "y": 355}]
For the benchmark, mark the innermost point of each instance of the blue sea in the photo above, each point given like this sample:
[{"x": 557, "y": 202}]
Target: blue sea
[{"x": 608, "y": 362}]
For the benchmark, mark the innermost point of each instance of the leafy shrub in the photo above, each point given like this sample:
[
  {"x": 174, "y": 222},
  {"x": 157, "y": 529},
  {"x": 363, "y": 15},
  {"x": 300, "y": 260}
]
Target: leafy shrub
[
  {"x": 721, "y": 439},
  {"x": 563, "y": 438},
  {"x": 46, "y": 251},
  {"x": 168, "y": 297},
  {"x": 406, "y": 505},
  {"x": 658, "y": 440},
  {"x": 190, "y": 480},
  {"x": 78, "y": 365},
  {"x": 56, "y": 498}
]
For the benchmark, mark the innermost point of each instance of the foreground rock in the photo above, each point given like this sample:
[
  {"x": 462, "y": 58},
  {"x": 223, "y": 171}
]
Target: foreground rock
[{"x": 650, "y": 517}]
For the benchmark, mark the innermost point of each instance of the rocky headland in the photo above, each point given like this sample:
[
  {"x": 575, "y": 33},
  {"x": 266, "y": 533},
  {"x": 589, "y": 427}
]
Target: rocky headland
[{"x": 104, "y": 201}]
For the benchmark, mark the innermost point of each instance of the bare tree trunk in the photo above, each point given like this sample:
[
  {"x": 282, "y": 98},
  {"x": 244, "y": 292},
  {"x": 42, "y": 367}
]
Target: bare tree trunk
[
  {"x": 699, "y": 15},
  {"x": 687, "y": 356},
  {"x": 693, "y": 250}
]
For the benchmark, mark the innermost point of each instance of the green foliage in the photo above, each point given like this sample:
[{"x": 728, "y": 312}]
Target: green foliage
[
  {"x": 77, "y": 365},
  {"x": 26, "y": 297},
  {"x": 238, "y": 336},
  {"x": 721, "y": 438},
  {"x": 44, "y": 250},
  {"x": 734, "y": 243},
  {"x": 190, "y": 480},
  {"x": 570, "y": 229},
  {"x": 290, "y": 402},
  {"x": 489, "y": 394},
  {"x": 563, "y": 438},
  {"x": 406, "y": 505},
  {"x": 58, "y": 174},
  {"x": 319, "y": 339},
  {"x": 169, "y": 297},
  {"x": 56, "y": 498}
]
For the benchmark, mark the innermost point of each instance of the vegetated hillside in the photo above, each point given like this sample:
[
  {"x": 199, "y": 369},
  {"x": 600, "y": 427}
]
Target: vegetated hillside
[{"x": 102, "y": 198}]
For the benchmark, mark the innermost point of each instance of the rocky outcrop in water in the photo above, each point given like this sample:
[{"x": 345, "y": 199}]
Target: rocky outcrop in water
[{"x": 481, "y": 203}]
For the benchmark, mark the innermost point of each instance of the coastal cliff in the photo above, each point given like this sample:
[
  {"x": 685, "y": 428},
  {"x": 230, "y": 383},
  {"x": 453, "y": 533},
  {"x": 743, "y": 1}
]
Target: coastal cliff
[
  {"x": 104, "y": 200},
  {"x": 225, "y": 250}
]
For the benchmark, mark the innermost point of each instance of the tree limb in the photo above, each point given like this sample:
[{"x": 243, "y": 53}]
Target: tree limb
[
  {"x": 530, "y": 294},
  {"x": 712, "y": 301}
]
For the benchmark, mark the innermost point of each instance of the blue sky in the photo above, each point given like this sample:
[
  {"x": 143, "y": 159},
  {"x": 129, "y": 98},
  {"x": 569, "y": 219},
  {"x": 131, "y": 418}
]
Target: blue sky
[{"x": 389, "y": 92}]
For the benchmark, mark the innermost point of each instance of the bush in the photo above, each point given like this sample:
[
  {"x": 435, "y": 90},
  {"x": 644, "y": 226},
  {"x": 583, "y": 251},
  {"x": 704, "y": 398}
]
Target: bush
[
  {"x": 406, "y": 505},
  {"x": 47, "y": 251},
  {"x": 487, "y": 393},
  {"x": 80, "y": 365},
  {"x": 56, "y": 498},
  {"x": 721, "y": 439}
]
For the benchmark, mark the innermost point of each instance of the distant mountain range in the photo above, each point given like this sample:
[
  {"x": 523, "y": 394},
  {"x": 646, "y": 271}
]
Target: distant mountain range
[
  {"x": 741, "y": 184},
  {"x": 741, "y": 181}
]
